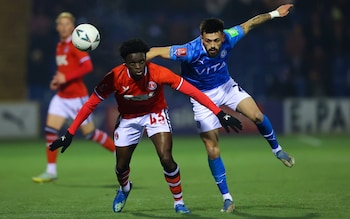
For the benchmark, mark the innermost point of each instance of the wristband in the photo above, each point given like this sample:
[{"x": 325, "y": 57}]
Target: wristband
[{"x": 274, "y": 14}]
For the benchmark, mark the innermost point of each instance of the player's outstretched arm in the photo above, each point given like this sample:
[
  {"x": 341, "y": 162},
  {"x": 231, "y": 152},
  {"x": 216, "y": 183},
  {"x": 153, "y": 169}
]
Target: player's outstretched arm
[
  {"x": 281, "y": 11},
  {"x": 163, "y": 52}
]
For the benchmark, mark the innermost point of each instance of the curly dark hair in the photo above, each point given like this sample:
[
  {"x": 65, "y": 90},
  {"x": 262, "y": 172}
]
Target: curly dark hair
[
  {"x": 211, "y": 25},
  {"x": 133, "y": 46}
]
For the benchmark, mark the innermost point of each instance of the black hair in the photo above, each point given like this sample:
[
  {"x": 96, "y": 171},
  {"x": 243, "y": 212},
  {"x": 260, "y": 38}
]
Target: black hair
[
  {"x": 133, "y": 46},
  {"x": 211, "y": 25}
]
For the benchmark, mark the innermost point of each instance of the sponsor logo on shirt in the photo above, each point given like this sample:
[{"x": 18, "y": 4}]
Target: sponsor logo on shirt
[
  {"x": 211, "y": 69},
  {"x": 139, "y": 97},
  {"x": 181, "y": 52}
]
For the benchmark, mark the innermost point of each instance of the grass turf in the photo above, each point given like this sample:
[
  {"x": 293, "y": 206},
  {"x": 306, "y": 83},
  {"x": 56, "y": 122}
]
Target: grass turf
[{"x": 316, "y": 187}]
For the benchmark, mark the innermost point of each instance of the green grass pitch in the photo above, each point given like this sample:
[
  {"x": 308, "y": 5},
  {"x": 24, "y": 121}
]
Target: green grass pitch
[{"x": 317, "y": 187}]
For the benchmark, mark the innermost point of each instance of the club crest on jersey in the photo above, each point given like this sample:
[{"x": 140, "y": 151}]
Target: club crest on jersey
[
  {"x": 181, "y": 52},
  {"x": 116, "y": 135},
  {"x": 152, "y": 85},
  {"x": 223, "y": 53}
]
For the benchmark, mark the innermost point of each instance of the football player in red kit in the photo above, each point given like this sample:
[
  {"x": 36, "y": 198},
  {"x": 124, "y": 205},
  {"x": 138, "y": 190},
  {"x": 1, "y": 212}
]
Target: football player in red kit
[
  {"x": 138, "y": 87},
  {"x": 72, "y": 65}
]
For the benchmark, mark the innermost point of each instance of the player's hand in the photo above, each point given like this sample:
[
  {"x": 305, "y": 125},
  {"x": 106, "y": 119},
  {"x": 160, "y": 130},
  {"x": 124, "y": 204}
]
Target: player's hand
[
  {"x": 227, "y": 121},
  {"x": 60, "y": 77},
  {"x": 283, "y": 10},
  {"x": 64, "y": 141},
  {"x": 54, "y": 85}
]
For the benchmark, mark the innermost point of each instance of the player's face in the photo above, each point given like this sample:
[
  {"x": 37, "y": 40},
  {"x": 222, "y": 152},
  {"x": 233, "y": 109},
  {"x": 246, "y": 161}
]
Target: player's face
[
  {"x": 136, "y": 63},
  {"x": 65, "y": 27},
  {"x": 212, "y": 42}
]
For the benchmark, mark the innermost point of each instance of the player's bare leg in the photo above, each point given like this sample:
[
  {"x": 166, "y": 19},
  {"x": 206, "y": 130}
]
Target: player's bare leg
[
  {"x": 210, "y": 140},
  {"x": 249, "y": 108}
]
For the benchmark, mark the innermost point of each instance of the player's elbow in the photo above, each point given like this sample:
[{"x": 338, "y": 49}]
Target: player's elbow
[{"x": 151, "y": 54}]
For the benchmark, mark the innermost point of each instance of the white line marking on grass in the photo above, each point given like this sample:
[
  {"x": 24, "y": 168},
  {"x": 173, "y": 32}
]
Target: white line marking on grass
[{"x": 315, "y": 142}]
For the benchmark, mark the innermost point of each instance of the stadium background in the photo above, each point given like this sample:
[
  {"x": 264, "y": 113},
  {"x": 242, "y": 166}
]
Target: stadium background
[{"x": 297, "y": 68}]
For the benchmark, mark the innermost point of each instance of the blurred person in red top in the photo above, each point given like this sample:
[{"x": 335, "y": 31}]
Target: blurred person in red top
[
  {"x": 138, "y": 88},
  {"x": 72, "y": 65}
]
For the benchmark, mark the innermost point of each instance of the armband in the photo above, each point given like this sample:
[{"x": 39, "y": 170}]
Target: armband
[{"x": 274, "y": 14}]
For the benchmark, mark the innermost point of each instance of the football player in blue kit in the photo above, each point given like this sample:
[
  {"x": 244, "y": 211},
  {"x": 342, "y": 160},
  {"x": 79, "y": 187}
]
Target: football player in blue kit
[{"x": 204, "y": 64}]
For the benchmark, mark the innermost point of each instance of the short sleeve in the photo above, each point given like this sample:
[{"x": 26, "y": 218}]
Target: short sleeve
[
  {"x": 106, "y": 86},
  {"x": 234, "y": 34}
]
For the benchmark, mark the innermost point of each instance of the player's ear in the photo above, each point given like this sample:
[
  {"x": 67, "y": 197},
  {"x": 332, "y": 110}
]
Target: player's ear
[{"x": 223, "y": 36}]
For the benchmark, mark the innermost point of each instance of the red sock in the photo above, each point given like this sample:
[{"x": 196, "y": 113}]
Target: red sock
[
  {"x": 174, "y": 181},
  {"x": 50, "y": 137},
  {"x": 102, "y": 138},
  {"x": 123, "y": 177}
]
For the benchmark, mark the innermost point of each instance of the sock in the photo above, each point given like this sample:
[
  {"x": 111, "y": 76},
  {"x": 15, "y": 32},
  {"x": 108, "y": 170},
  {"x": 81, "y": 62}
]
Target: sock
[
  {"x": 51, "y": 168},
  {"x": 218, "y": 171},
  {"x": 102, "y": 138},
  {"x": 265, "y": 128},
  {"x": 174, "y": 181},
  {"x": 123, "y": 179},
  {"x": 51, "y": 156}
]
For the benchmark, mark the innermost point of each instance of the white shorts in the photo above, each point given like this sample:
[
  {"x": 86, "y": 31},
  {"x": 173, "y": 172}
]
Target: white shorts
[
  {"x": 229, "y": 94},
  {"x": 130, "y": 131},
  {"x": 68, "y": 107}
]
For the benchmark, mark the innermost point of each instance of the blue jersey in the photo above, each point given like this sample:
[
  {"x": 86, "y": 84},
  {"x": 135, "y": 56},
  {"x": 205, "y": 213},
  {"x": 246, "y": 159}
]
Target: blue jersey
[{"x": 198, "y": 68}]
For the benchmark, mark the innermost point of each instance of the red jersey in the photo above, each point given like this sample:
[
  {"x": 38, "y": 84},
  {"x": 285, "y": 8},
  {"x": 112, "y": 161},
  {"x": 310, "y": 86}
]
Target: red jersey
[
  {"x": 141, "y": 97},
  {"x": 74, "y": 64},
  {"x": 138, "y": 97}
]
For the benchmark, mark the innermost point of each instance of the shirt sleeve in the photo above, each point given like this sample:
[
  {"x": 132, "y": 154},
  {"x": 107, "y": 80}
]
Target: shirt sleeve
[
  {"x": 185, "y": 52},
  {"x": 106, "y": 86},
  {"x": 88, "y": 107},
  {"x": 85, "y": 65},
  {"x": 234, "y": 34}
]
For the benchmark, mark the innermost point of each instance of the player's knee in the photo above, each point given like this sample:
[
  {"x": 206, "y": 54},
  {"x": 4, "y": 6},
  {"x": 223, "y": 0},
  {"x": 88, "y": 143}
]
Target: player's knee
[
  {"x": 90, "y": 135},
  {"x": 212, "y": 148},
  {"x": 50, "y": 130},
  {"x": 258, "y": 117}
]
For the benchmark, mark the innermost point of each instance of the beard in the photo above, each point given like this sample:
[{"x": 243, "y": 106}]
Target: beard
[{"x": 212, "y": 52}]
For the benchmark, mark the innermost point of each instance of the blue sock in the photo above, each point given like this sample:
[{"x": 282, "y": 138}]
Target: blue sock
[
  {"x": 265, "y": 128},
  {"x": 218, "y": 171}
]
